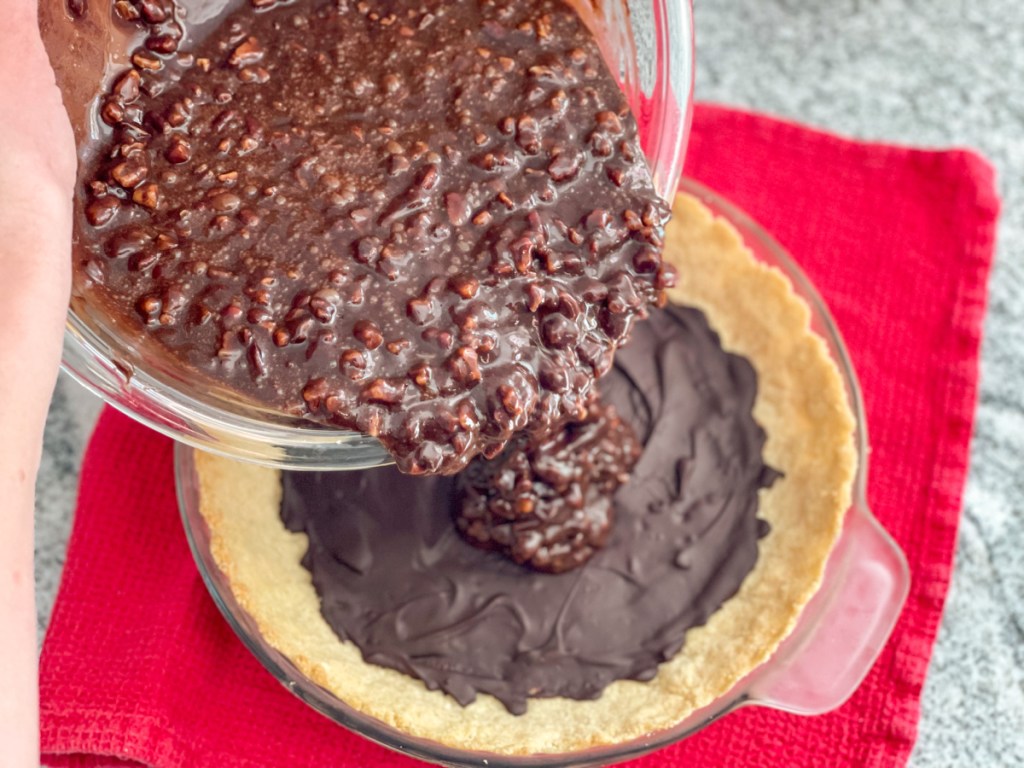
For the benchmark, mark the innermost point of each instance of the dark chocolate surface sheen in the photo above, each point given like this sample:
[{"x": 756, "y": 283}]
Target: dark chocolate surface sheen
[{"x": 397, "y": 579}]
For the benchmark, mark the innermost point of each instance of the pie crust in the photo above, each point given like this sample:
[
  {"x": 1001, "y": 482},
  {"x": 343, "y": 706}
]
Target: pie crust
[{"x": 801, "y": 404}]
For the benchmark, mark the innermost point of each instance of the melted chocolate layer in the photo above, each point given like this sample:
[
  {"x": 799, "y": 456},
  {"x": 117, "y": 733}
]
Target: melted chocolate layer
[{"x": 395, "y": 577}]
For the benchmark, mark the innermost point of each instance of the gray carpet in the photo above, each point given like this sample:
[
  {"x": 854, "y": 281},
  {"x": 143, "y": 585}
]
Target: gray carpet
[{"x": 911, "y": 71}]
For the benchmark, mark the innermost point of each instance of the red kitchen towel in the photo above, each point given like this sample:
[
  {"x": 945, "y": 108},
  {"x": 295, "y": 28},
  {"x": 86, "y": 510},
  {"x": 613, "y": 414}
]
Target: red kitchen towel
[{"x": 138, "y": 667}]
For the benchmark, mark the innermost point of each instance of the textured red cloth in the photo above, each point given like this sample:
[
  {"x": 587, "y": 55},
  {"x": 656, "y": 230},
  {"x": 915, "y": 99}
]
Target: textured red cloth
[{"x": 139, "y": 668}]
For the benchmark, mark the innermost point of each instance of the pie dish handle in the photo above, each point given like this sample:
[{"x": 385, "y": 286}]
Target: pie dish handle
[{"x": 844, "y": 627}]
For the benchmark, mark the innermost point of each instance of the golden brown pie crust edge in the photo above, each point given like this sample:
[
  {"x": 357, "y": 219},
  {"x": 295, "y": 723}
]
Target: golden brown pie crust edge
[{"x": 802, "y": 405}]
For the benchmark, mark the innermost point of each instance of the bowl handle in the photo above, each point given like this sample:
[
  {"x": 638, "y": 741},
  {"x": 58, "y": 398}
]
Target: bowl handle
[{"x": 847, "y": 623}]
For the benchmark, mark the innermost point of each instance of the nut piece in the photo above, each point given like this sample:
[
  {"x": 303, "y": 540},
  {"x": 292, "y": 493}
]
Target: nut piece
[
  {"x": 247, "y": 52},
  {"x": 368, "y": 333},
  {"x": 102, "y": 210},
  {"x": 148, "y": 196},
  {"x": 179, "y": 151},
  {"x": 464, "y": 285}
]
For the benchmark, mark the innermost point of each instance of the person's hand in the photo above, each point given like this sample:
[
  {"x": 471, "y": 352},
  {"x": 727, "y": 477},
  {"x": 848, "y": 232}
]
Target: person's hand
[{"x": 37, "y": 174}]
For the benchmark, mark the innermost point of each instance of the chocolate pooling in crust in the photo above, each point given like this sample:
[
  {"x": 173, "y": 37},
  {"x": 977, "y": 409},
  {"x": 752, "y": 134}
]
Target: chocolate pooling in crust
[
  {"x": 426, "y": 220},
  {"x": 396, "y": 578},
  {"x": 547, "y": 502}
]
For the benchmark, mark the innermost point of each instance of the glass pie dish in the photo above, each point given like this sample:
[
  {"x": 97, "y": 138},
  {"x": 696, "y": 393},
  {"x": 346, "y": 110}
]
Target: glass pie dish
[
  {"x": 837, "y": 638},
  {"x": 648, "y": 47}
]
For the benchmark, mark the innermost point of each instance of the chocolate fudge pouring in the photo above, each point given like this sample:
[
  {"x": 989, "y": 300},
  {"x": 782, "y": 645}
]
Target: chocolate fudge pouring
[
  {"x": 364, "y": 583},
  {"x": 426, "y": 220},
  {"x": 394, "y": 578}
]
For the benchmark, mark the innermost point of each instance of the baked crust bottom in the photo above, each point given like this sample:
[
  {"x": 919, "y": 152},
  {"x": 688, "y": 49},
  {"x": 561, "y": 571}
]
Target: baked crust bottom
[{"x": 801, "y": 404}]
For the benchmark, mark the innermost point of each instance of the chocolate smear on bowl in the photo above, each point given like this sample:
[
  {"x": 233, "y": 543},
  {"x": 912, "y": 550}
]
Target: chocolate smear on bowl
[{"x": 428, "y": 221}]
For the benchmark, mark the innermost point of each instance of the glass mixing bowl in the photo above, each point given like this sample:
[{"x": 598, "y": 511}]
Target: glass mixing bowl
[
  {"x": 648, "y": 45},
  {"x": 839, "y": 634}
]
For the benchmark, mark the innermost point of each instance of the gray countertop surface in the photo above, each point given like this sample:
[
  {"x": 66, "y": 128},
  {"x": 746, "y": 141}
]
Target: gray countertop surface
[{"x": 925, "y": 72}]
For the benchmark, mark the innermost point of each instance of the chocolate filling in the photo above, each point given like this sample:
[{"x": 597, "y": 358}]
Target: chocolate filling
[
  {"x": 548, "y": 503},
  {"x": 396, "y": 578},
  {"x": 427, "y": 220}
]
